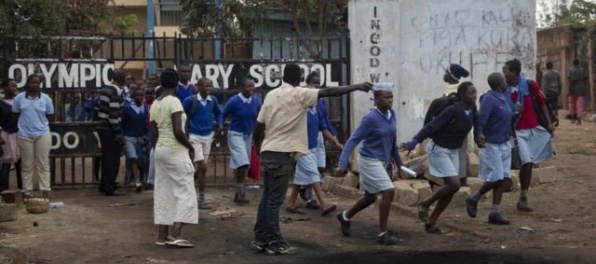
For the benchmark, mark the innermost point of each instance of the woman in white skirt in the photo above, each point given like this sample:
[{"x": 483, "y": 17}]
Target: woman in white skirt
[
  {"x": 448, "y": 132},
  {"x": 175, "y": 199},
  {"x": 377, "y": 130},
  {"x": 495, "y": 118}
]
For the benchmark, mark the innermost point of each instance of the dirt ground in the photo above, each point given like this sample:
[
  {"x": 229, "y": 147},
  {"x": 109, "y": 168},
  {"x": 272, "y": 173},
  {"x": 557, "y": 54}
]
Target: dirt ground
[{"x": 88, "y": 230}]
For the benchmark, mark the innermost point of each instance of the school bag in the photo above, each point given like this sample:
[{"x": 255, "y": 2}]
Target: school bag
[{"x": 438, "y": 105}]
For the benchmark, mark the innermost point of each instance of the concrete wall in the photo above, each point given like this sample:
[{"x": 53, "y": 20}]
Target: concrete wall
[{"x": 410, "y": 42}]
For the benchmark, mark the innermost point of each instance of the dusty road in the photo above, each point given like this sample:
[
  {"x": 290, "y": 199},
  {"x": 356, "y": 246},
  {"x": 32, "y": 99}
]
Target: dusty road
[{"x": 88, "y": 230}]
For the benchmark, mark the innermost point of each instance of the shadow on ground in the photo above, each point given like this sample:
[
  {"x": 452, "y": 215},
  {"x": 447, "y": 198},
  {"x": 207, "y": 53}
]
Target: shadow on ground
[{"x": 443, "y": 257}]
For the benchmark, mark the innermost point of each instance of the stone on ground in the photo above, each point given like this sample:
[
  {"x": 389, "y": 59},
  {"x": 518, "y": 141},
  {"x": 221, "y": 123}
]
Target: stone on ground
[
  {"x": 8, "y": 212},
  {"x": 405, "y": 194}
]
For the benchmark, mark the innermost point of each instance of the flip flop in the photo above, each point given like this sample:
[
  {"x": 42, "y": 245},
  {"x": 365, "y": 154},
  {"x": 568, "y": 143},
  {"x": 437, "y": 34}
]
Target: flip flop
[
  {"x": 160, "y": 243},
  {"x": 180, "y": 243},
  {"x": 293, "y": 210},
  {"x": 329, "y": 210}
]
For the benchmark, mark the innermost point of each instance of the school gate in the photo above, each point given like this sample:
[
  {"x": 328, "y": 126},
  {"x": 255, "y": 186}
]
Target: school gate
[{"x": 74, "y": 68}]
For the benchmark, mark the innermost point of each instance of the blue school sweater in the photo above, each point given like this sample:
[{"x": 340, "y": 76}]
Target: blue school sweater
[
  {"x": 450, "y": 128},
  {"x": 182, "y": 93},
  {"x": 495, "y": 117},
  {"x": 201, "y": 122},
  {"x": 322, "y": 108},
  {"x": 133, "y": 123},
  {"x": 314, "y": 124},
  {"x": 244, "y": 115},
  {"x": 379, "y": 135}
]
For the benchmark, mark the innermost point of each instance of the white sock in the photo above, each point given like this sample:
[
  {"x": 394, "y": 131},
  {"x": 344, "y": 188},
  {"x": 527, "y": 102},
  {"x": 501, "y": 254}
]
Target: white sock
[
  {"x": 382, "y": 233},
  {"x": 495, "y": 209},
  {"x": 343, "y": 215}
]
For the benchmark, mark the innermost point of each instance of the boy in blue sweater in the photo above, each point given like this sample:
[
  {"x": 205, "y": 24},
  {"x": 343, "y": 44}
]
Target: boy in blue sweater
[
  {"x": 448, "y": 132},
  {"x": 244, "y": 109},
  {"x": 135, "y": 133},
  {"x": 200, "y": 131},
  {"x": 185, "y": 87},
  {"x": 495, "y": 118},
  {"x": 378, "y": 131}
]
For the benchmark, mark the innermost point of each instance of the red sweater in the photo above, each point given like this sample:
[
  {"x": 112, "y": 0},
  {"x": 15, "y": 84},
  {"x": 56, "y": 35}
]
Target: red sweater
[{"x": 528, "y": 118}]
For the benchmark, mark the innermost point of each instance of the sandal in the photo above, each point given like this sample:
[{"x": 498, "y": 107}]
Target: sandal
[
  {"x": 422, "y": 213},
  {"x": 294, "y": 210},
  {"x": 329, "y": 210},
  {"x": 160, "y": 243},
  {"x": 432, "y": 229},
  {"x": 179, "y": 243}
]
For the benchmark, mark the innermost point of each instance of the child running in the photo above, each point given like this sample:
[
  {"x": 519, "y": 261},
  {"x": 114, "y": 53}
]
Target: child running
[
  {"x": 306, "y": 172},
  {"x": 378, "y": 130},
  {"x": 448, "y": 132},
  {"x": 495, "y": 118}
]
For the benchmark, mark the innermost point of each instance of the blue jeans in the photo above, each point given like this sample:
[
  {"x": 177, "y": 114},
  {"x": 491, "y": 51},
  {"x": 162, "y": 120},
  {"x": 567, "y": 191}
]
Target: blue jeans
[{"x": 278, "y": 168}]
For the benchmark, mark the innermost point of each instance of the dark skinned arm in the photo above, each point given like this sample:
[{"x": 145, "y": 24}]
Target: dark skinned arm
[
  {"x": 180, "y": 135},
  {"x": 341, "y": 90},
  {"x": 258, "y": 135},
  {"x": 154, "y": 134},
  {"x": 178, "y": 132}
]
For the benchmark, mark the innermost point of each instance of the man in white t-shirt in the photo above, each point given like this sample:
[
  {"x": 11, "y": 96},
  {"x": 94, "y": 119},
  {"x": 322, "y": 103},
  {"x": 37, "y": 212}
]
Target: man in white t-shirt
[{"x": 280, "y": 135}]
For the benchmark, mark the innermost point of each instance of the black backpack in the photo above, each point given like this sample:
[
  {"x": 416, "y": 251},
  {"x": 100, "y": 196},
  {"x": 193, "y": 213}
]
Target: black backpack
[{"x": 438, "y": 105}]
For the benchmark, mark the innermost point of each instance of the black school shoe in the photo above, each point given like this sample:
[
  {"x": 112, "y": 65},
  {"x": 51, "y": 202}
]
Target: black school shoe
[
  {"x": 387, "y": 239},
  {"x": 344, "y": 225},
  {"x": 497, "y": 219}
]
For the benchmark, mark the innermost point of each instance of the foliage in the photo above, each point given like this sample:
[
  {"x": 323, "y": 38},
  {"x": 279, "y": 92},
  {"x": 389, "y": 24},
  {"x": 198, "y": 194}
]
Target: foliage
[
  {"x": 309, "y": 13},
  {"x": 232, "y": 18},
  {"x": 52, "y": 17},
  {"x": 310, "y": 18},
  {"x": 124, "y": 24},
  {"x": 31, "y": 17}
]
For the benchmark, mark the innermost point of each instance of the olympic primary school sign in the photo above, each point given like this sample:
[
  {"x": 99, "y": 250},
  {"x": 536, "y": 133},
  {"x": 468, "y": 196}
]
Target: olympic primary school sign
[
  {"x": 77, "y": 139},
  {"x": 94, "y": 74}
]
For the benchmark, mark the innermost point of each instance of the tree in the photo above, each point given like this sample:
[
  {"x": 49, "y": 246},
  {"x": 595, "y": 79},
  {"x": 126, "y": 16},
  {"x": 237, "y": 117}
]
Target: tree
[
  {"x": 309, "y": 13},
  {"x": 231, "y": 18},
  {"x": 310, "y": 18}
]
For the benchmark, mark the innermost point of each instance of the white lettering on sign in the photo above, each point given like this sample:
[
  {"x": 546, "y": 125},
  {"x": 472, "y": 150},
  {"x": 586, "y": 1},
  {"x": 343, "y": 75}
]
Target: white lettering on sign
[
  {"x": 268, "y": 74},
  {"x": 375, "y": 51},
  {"x": 70, "y": 140},
  {"x": 63, "y": 74}
]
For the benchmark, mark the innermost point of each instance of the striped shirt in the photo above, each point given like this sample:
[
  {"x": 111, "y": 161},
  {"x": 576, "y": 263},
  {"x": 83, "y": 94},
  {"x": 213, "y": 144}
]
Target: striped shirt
[{"x": 110, "y": 107}]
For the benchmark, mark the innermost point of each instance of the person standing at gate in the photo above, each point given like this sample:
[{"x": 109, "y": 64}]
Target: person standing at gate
[
  {"x": 33, "y": 108},
  {"x": 175, "y": 199},
  {"x": 9, "y": 135},
  {"x": 135, "y": 131},
  {"x": 279, "y": 135},
  {"x": 202, "y": 109},
  {"x": 73, "y": 114},
  {"x": 578, "y": 79},
  {"x": 149, "y": 99},
  {"x": 185, "y": 87},
  {"x": 110, "y": 135},
  {"x": 243, "y": 109},
  {"x": 551, "y": 86},
  {"x": 448, "y": 132}
]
